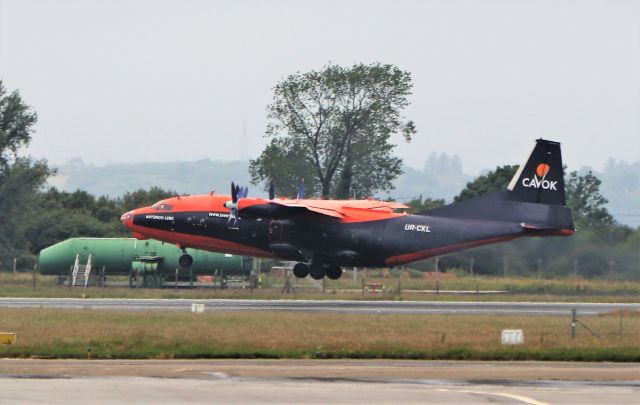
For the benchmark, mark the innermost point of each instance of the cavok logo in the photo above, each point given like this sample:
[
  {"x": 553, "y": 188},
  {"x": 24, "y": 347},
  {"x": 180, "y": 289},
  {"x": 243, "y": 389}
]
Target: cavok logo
[{"x": 538, "y": 180}]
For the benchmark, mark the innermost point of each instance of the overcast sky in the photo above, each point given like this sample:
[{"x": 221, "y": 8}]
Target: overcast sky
[{"x": 135, "y": 80}]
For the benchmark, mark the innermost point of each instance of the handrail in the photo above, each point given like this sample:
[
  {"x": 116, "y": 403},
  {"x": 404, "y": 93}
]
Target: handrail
[
  {"x": 87, "y": 271},
  {"x": 76, "y": 266}
]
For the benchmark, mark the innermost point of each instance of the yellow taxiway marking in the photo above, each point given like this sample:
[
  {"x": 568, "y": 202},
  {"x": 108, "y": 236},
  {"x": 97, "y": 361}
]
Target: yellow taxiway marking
[{"x": 520, "y": 398}]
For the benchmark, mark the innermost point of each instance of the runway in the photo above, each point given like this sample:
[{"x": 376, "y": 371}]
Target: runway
[
  {"x": 315, "y": 381},
  {"x": 377, "y": 307}
]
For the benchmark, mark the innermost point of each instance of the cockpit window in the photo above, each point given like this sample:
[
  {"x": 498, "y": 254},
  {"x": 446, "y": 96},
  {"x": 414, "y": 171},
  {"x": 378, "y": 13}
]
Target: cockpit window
[
  {"x": 156, "y": 206},
  {"x": 162, "y": 206}
]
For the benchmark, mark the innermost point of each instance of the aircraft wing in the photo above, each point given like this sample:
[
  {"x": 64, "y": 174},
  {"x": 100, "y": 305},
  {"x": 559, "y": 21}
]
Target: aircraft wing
[
  {"x": 317, "y": 208},
  {"x": 345, "y": 210}
]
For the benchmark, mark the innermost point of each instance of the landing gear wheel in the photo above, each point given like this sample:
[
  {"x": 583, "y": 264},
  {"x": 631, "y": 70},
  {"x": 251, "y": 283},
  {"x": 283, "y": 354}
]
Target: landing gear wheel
[
  {"x": 334, "y": 272},
  {"x": 316, "y": 272},
  {"x": 185, "y": 260},
  {"x": 301, "y": 270}
]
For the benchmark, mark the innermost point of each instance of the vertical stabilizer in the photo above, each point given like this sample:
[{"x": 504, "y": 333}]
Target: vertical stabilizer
[{"x": 540, "y": 178}]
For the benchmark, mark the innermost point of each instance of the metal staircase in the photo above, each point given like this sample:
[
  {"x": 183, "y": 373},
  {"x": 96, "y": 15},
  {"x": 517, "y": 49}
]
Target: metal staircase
[{"x": 81, "y": 273}]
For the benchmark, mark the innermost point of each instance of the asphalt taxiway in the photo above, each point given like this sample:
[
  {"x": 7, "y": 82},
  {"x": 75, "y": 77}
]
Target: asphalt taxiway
[
  {"x": 378, "y": 307},
  {"x": 315, "y": 381}
]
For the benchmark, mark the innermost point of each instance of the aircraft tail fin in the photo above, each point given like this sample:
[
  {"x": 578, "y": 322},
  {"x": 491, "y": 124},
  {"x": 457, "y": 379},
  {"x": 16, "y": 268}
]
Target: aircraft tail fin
[
  {"x": 535, "y": 198},
  {"x": 540, "y": 178}
]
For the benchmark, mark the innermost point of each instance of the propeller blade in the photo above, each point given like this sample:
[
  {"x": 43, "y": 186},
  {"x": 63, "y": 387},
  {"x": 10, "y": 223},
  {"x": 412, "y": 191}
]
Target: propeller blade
[
  {"x": 234, "y": 193},
  {"x": 301, "y": 190},
  {"x": 245, "y": 192},
  {"x": 272, "y": 190}
]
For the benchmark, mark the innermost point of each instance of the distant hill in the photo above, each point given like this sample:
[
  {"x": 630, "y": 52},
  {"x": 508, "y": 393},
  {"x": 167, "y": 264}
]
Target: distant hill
[
  {"x": 203, "y": 176},
  {"x": 441, "y": 177},
  {"x": 415, "y": 183},
  {"x": 199, "y": 177}
]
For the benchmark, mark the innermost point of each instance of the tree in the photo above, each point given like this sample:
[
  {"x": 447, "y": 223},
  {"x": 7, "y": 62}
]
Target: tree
[
  {"x": 419, "y": 205},
  {"x": 16, "y": 125},
  {"x": 20, "y": 177},
  {"x": 493, "y": 181},
  {"x": 584, "y": 198},
  {"x": 282, "y": 160},
  {"x": 59, "y": 215},
  {"x": 142, "y": 198},
  {"x": 332, "y": 128},
  {"x": 443, "y": 164},
  {"x": 19, "y": 185}
]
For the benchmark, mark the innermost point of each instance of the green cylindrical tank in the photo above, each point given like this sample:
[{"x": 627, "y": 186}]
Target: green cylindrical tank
[{"x": 120, "y": 255}]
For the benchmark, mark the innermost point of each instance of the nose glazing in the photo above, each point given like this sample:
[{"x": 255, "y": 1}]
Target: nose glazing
[{"x": 127, "y": 218}]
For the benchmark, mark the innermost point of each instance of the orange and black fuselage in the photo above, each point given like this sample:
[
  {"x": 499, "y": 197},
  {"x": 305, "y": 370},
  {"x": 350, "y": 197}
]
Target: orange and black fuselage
[
  {"x": 364, "y": 232},
  {"x": 203, "y": 222}
]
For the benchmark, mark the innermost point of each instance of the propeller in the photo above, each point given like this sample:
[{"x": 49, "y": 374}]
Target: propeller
[
  {"x": 234, "y": 192},
  {"x": 300, "y": 190},
  {"x": 272, "y": 190},
  {"x": 237, "y": 193}
]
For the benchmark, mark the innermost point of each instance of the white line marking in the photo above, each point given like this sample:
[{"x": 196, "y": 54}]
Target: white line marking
[{"x": 520, "y": 398}]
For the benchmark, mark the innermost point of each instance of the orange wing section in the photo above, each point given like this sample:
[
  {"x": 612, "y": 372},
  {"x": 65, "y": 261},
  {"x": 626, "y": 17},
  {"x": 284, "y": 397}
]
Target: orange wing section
[{"x": 348, "y": 210}]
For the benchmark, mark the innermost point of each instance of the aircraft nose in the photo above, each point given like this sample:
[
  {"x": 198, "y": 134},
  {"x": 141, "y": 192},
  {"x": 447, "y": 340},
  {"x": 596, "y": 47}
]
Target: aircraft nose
[{"x": 127, "y": 219}]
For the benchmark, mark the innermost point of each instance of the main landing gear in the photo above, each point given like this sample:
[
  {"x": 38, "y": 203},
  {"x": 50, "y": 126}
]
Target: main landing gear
[{"x": 317, "y": 271}]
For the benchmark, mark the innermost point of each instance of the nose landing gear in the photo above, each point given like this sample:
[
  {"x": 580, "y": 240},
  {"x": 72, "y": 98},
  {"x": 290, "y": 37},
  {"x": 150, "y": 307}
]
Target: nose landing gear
[{"x": 185, "y": 260}]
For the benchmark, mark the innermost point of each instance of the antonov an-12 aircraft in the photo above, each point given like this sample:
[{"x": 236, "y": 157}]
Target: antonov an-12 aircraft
[{"x": 323, "y": 235}]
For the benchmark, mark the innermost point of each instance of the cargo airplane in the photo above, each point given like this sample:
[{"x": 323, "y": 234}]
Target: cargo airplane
[{"x": 323, "y": 235}]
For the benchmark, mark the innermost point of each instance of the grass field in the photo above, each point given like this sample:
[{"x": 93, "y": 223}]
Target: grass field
[
  {"x": 70, "y": 334},
  {"x": 518, "y": 288}
]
